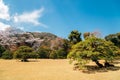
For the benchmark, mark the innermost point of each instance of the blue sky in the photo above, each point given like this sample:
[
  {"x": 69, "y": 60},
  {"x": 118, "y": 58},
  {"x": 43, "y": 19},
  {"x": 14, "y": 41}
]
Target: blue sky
[{"x": 60, "y": 17}]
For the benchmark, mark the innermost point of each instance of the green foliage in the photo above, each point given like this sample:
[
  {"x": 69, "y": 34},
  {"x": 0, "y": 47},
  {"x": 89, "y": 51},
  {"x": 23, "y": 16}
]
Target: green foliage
[
  {"x": 33, "y": 55},
  {"x": 115, "y": 38},
  {"x": 58, "y": 54},
  {"x": 23, "y": 53},
  {"x": 66, "y": 45},
  {"x": 43, "y": 52},
  {"x": 93, "y": 49},
  {"x": 53, "y": 55},
  {"x": 7, "y": 55},
  {"x": 74, "y": 36},
  {"x": 61, "y": 54},
  {"x": 2, "y": 49}
]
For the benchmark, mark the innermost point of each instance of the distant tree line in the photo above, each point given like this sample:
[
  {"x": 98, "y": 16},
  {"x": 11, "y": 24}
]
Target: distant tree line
[
  {"x": 43, "y": 52},
  {"x": 92, "y": 47}
]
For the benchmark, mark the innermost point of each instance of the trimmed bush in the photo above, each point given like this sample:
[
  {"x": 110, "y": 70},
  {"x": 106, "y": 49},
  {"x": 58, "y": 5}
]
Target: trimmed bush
[
  {"x": 23, "y": 53},
  {"x": 7, "y": 55}
]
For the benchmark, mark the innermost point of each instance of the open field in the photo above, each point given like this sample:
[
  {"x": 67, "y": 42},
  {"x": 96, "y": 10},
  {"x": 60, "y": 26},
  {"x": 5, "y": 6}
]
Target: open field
[{"x": 48, "y": 69}]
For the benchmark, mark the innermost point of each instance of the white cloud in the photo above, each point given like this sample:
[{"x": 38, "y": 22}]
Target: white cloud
[
  {"x": 3, "y": 26},
  {"x": 30, "y": 17},
  {"x": 19, "y": 20},
  {"x": 4, "y": 11}
]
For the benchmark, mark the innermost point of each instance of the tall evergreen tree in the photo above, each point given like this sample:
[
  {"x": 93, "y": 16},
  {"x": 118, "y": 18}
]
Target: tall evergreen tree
[{"x": 74, "y": 36}]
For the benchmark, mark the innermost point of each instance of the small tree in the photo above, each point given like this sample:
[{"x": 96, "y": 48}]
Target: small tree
[
  {"x": 23, "y": 53},
  {"x": 93, "y": 49}
]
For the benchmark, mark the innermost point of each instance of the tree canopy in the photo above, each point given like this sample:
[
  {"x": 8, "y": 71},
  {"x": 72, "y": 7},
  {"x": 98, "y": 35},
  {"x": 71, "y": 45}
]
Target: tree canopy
[
  {"x": 93, "y": 49},
  {"x": 23, "y": 53}
]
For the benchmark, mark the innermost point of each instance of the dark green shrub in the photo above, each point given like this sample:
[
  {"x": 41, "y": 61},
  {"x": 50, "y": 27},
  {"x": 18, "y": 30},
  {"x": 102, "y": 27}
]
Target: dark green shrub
[
  {"x": 43, "y": 52},
  {"x": 33, "y": 55},
  {"x": 2, "y": 49},
  {"x": 23, "y": 53},
  {"x": 53, "y": 55},
  {"x": 7, "y": 55},
  {"x": 61, "y": 54}
]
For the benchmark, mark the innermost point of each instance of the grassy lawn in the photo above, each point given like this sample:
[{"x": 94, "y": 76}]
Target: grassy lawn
[{"x": 48, "y": 69}]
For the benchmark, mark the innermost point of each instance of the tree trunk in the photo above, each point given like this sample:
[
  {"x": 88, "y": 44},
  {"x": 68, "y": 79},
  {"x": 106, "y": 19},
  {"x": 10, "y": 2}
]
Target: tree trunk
[
  {"x": 108, "y": 64},
  {"x": 24, "y": 60},
  {"x": 98, "y": 64}
]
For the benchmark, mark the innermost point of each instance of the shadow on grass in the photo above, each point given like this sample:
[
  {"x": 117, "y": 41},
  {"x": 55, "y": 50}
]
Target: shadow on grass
[
  {"x": 95, "y": 69},
  {"x": 92, "y": 69},
  {"x": 29, "y": 60}
]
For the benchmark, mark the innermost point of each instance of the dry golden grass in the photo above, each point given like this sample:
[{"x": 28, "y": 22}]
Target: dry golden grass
[{"x": 48, "y": 69}]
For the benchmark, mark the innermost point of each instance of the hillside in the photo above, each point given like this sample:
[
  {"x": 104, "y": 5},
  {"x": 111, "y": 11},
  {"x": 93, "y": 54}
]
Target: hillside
[{"x": 12, "y": 38}]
